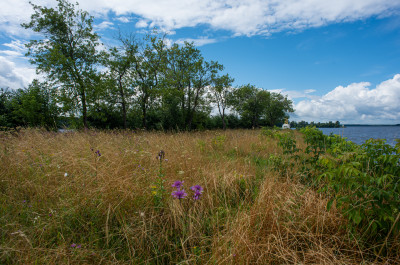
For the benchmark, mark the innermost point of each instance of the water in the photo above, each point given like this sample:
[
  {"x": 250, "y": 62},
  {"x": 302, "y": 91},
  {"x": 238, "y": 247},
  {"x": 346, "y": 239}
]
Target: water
[{"x": 359, "y": 134}]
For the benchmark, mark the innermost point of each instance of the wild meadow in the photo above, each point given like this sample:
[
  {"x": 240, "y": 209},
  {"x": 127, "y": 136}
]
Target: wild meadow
[{"x": 214, "y": 197}]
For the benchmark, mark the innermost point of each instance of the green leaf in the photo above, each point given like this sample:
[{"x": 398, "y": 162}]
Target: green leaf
[
  {"x": 329, "y": 204},
  {"x": 357, "y": 217}
]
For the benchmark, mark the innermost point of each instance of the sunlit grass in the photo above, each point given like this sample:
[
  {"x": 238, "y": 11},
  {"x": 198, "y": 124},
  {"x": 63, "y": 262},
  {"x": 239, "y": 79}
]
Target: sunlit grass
[{"x": 91, "y": 197}]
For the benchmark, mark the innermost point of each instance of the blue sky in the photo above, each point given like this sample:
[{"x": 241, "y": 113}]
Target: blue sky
[{"x": 337, "y": 60}]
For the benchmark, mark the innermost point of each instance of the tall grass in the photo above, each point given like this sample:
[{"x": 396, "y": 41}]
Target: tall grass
[{"x": 63, "y": 202}]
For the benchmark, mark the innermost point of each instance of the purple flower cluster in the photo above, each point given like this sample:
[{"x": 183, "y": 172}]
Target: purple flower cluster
[
  {"x": 178, "y": 194},
  {"x": 177, "y": 184},
  {"x": 198, "y": 190},
  {"x": 97, "y": 151},
  {"x": 181, "y": 194}
]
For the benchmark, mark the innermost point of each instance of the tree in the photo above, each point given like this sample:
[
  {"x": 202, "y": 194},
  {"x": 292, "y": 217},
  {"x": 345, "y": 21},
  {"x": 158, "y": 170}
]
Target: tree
[
  {"x": 149, "y": 68},
  {"x": 258, "y": 105},
  {"x": 121, "y": 75},
  {"x": 5, "y": 109},
  {"x": 188, "y": 77},
  {"x": 277, "y": 108},
  {"x": 221, "y": 94},
  {"x": 250, "y": 102},
  {"x": 35, "y": 106},
  {"x": 67, "y": 53}
]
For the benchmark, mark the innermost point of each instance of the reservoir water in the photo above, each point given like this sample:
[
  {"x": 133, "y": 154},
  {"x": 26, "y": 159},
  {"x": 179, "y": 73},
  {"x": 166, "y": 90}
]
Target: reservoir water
[{"x": 359, "y": 134}]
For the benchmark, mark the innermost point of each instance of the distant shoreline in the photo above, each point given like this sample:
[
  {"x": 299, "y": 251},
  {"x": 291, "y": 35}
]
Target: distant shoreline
[{"x": 370, "y": 125}]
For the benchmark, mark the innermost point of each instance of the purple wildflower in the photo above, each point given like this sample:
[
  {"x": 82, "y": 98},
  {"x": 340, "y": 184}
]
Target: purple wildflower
[
  {"x": 78, "y": 246},
  {"x": 197, "y": 188},
  {"x": 73, "y": 245},
  {"x": 98, "y": 153},
  {"x": 177, "y": 184},
  {"x": 197, "y": 191},
  {"x": 179, "y": 194},
  {"x": 197, "y": 195}
]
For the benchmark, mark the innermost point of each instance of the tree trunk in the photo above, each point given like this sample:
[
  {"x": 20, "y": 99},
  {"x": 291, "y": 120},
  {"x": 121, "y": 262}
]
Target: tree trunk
[
  {"x": 123, "y": 104},
  {"x": 254, "y": 122},
  {"x": 84, "y": 109},
  {"x": 124, "y": 113},
  {"x": 189, "y": 123},
  {"x": 223, "y": 120},
  {"x": 144, "y": 114}
]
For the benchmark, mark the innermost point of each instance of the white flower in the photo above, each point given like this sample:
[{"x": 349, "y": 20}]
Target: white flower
[{"x": 66, "y": 174}]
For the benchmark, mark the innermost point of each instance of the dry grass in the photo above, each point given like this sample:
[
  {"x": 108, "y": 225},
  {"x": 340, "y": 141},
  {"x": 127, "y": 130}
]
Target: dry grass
[{"x": 55, "y": 191}]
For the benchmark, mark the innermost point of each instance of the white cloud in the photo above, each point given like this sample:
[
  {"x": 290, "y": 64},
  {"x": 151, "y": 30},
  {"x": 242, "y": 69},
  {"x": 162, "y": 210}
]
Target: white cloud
[
  {"x": 141, "y": 24},
  {"x": 103, "y": 26},
  {"x": 15, "y": 71},
  {"x": 11, "y": 53},
  {"x": 13, "y": 13},
  {"x": 197, "y": 42},
  {"x": 355, "y": 102},
  {"x": 294, "y": 94},
  {"x": 251, "y": 17},
  {"x": 123, "y": 19},
  {"x": 16, "y": 45},
  {"x": 14, "y": 76},
  {"x": 309, "y": 91}
]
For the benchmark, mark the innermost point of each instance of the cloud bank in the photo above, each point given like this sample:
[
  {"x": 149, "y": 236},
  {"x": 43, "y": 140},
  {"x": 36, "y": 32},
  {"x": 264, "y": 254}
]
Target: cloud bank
[
  {"x": 355, "y": 103},
  {"x": 15, "y": 71},
  {"x": 251, "y": 17}
]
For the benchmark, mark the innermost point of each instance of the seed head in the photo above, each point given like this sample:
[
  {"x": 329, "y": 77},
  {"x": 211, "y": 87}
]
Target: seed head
[{"x": 161, "y": 155}]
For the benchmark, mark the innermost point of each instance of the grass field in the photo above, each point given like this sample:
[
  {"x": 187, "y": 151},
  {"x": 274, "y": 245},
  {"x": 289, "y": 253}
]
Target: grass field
[{"x": 105, "y": 198}]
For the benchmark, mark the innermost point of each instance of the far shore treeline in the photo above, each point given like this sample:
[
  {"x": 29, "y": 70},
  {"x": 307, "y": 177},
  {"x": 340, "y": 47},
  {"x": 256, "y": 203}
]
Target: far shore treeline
[
  {"x": 140, "y": 83},
  {"x": 303, "y": 124}
]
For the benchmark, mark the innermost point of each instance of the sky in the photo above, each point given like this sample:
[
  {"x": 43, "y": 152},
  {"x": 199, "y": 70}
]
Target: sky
[{"x": 336, "y": 60}]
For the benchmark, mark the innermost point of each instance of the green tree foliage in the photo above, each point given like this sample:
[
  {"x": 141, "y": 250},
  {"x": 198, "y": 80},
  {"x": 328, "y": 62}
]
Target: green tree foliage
[
  {"x": 149, "y": 67},
  {"x": 187, "y": 79},
  {"x": 5, "y": 109},
  {"x": 277, "y": 108},
  {"x": 142, "y": 83},
  {"x": 67, "y": 53},
  {"x": 302, "y": 124},
  {"x": 221, "y": 94},
  {"x": 121, "y": 75},
  {"x": 259, "y": 107},
  {"x": 34, "y": 106}
]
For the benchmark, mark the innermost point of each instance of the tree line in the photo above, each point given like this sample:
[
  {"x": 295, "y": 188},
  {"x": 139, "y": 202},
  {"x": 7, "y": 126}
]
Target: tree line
[
  {"x": 303, "y": 124},
  {"x": 140, "y": 83}
]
